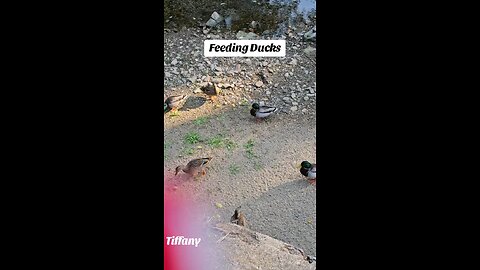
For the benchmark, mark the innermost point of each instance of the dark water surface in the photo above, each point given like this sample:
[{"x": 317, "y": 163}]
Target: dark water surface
[{"x": 271, "y": 15}]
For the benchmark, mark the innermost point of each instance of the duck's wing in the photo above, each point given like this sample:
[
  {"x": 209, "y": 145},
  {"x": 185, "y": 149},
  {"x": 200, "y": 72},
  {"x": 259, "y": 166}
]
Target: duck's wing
[
  {"x": 175, "y": 99},
  {"x": 267, "y": 109},
  {"x": 199, "y": 162}
]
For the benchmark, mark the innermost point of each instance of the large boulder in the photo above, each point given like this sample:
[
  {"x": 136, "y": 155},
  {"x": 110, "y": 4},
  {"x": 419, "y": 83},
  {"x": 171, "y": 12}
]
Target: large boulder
[{"x": 245, "y": 249}]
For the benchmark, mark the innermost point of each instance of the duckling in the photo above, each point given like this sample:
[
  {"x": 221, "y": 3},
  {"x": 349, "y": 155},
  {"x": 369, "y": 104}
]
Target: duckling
[
  {"x": 239, "y": 218},
  {"x": 309, "y": 170},
  {"x": 172, "y": 103},
  {"x": 194, "y": 167},
  {"x": 261, "y": 111},
  {"x": 212, "y": 90}
]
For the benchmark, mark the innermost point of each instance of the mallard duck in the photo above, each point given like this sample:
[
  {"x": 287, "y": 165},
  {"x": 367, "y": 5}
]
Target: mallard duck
[
  {"x": 194, "y": 167},
  {"x": 309, "y": 170},
  {"x": 238, "y": 218},
  {"x": 211, "y": 90},
  {"x": 261, "y": 111},
  {"x": 172, "y": 103}
]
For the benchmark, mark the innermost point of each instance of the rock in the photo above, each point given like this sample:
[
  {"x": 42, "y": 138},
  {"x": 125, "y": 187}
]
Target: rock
[
  {"x": 197, "y": 90},
  {"x": 293, "y": 62},
  {"x": 312, "y": 34},
  {"x": 228, "y": 22},
  {"x": 174, "y": 62},
  {"x": 312, "y": 90},
  {"x": 211, "y": 23},
  {"x": 243, "y": 248},
  {"x": 217, "y": 17},
  {"x": 242, "y": 35},
  {"x": 310, "y": 50},
  {"x": 287, "y": 100},
  {"x": 259, "y": 84},
  {"x": 293, "y": 108},
  {"x": 306, "y": 98},
  {"x": 294, "y": 103},
  {"x": 268, "y": 93},
  {"x": 167, "y": 74},
  {"x": 293, "y": 95}
]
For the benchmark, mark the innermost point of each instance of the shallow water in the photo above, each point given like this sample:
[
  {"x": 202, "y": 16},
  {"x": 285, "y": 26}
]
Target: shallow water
[{"x": 271, "y": 15}]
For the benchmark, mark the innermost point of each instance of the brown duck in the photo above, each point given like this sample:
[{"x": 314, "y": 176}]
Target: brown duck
[
  {"x": 238, "y": 218},
  {"x": 211, "y": 90},
  {"x": 194, "y": 167}
]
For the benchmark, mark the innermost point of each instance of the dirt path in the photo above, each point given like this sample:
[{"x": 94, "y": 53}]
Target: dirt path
[{"x": 254, "y": 164}]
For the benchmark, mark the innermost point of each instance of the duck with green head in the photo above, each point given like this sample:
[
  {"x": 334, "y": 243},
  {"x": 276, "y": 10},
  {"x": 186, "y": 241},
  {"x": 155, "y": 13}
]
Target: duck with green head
[
  {"x": 172, "y": 103},
  {"x": 309, "y": 170},
  {"x": 194, "y": 167},
  {"x": 262, "y": 111}
]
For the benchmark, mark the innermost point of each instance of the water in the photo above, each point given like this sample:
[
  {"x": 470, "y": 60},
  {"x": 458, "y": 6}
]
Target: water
[{"x": 271, "y": 15}]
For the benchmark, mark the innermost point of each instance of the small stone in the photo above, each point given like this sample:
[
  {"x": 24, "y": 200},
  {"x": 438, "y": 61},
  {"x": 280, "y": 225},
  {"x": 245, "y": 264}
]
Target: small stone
[
  {"x": 304, "y": 111},
  {"x": 259, "y": 84},
  {"x": 294, "y": 103},
  {"x": 197, "y": 90},
  {"x": 174, "y": 62},
  {"x": 309, "y": 50},
  {"x": 306, "y": 98},
  {"x": 167, "y": 74},
  {"x": 293, "y": 95},
  {"x": 293, "y": 62},
  {"x": 312, "y": 90},
  {"x": 217, "y": 17},
  {"x": 268, "y": 92},
  {"x": 211, "y": 23},
  {"x": 293, "y": 108},
  {"x": 287, "y": 75}
]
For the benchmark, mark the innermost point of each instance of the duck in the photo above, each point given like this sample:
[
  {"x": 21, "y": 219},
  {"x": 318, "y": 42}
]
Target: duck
[
  {"x": 262, "y": 111},
  {"x": 309, "y": 170},
  {"x": 194, "y": 167},
  {"x": 238, "y": 218},
  {"x": 172, "y": 103},
  {"x": 211, "y": 90}
]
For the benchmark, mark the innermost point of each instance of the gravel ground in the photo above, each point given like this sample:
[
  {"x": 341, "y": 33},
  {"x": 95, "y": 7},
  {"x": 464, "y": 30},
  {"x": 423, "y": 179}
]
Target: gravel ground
[{"x": 254, "y": 164}]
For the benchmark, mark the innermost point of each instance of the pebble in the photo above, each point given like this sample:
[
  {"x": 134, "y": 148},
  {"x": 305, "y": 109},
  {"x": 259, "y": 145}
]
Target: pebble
[
  {"x": 293, "y": 108},
  {"x": 268, "y": 92},
  {"x": 174, "y": 62},
  {"x": 259, "y": 84}
]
